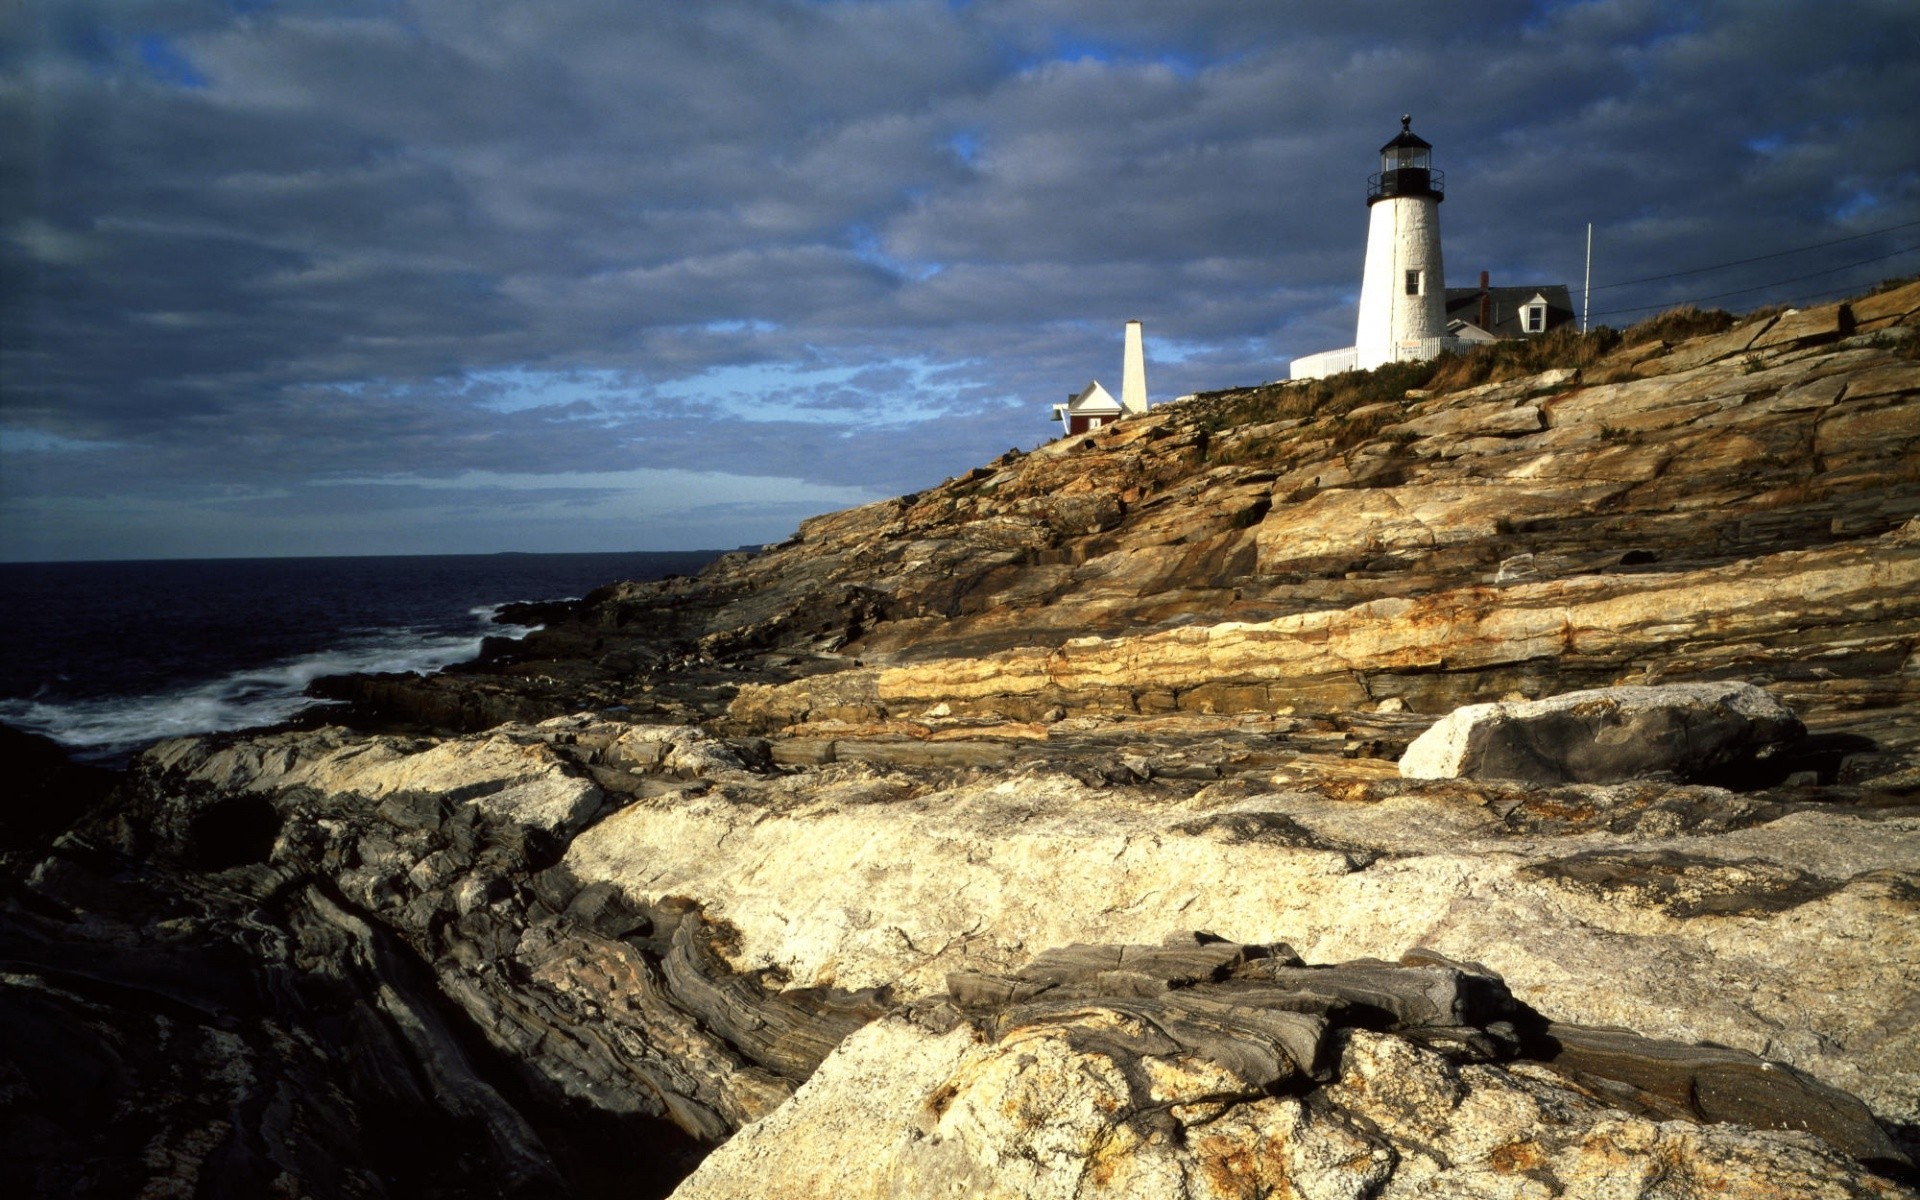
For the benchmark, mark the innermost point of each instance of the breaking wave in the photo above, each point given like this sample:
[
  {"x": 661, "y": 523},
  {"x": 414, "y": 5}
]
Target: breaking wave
[{"x": 110, "y": 728}]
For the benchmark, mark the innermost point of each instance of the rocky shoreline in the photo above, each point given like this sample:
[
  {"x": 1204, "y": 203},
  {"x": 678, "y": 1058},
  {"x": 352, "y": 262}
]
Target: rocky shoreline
[{"x": 1046, "y": 833}]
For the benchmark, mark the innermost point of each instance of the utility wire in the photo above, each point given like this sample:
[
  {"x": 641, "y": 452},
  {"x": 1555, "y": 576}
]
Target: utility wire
[
  {"x": 1763, "y": 286},
  {"x": 1757, "y": 258}
]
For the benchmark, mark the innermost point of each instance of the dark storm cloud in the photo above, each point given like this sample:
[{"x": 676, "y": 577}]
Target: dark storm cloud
[{"x": 275, "y": 265}]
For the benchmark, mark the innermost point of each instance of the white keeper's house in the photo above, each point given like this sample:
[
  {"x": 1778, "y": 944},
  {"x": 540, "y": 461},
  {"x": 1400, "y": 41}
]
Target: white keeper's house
[{"x": 1406, "y": 309}]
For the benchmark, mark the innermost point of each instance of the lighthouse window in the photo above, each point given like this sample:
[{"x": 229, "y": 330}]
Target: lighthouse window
[{"x": 1413, "y": 282}]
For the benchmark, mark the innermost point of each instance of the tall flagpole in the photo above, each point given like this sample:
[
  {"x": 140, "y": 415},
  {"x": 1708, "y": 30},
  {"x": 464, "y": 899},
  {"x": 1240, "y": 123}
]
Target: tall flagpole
[{"x": 1586, "y": 289}]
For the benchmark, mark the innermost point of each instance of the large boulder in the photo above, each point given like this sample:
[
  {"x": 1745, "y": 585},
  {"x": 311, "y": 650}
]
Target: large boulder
[{"x": 1605, "y": 735}]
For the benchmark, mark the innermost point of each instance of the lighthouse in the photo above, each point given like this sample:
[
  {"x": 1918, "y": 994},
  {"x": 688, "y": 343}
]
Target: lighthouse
[
  {"x": 1403, "y": 294},
  {"x": 1406, "y": 311}
]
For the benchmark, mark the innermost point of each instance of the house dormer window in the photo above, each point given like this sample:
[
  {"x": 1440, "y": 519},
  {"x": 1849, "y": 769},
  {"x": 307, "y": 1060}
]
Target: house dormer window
[{"x": 1533, "y": 317}]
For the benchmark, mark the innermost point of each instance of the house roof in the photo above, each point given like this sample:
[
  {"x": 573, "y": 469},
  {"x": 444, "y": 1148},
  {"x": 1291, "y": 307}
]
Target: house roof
[
  {"x": 1505, "y": 303},
  {"x": 1093, "y": 399}
]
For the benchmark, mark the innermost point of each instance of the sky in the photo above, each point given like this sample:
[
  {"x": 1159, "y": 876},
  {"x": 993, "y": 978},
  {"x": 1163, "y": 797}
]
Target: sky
[{"x": 463, "y": 276}]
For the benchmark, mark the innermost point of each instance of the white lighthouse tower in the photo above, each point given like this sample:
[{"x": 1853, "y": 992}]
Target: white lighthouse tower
[{"x": 1403, "y": 291}]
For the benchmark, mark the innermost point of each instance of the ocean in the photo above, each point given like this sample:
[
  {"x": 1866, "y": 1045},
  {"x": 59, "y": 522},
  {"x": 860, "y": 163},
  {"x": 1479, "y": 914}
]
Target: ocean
[{"x": 108, "y": 657}]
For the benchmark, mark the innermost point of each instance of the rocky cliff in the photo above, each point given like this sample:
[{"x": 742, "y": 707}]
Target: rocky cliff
[{"x": 1044, "y": 833}]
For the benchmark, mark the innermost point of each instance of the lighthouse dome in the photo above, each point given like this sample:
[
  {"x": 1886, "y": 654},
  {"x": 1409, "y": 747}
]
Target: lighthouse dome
[{"x": 1406, "y": 168}]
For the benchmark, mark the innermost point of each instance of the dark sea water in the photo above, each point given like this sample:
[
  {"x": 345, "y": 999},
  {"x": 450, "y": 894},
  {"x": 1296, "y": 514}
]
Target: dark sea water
[{"x": 106, "y": 657}]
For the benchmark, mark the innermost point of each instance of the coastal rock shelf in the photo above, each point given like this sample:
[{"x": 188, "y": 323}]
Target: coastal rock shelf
[{"x": 1054, "y": 831}]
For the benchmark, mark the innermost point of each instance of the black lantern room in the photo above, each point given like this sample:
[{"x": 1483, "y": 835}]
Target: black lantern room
[{"x": 1406, "y": 168}]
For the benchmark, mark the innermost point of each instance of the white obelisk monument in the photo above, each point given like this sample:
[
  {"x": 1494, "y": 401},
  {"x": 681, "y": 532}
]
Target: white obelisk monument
[{"x": 1133, "y": 372}]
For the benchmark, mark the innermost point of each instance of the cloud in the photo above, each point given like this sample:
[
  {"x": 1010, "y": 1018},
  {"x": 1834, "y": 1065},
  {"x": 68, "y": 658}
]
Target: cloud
[{"x": 849, "y": 244}]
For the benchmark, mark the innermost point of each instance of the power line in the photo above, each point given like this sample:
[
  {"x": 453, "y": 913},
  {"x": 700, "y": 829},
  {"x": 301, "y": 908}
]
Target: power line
[
  {"x": 1763, "y": 286},
  {"x": 1758, "y": 257}
]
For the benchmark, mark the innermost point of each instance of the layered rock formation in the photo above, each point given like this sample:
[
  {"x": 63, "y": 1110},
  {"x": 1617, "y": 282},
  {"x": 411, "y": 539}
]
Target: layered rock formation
[{"x": 794, "y": 847}]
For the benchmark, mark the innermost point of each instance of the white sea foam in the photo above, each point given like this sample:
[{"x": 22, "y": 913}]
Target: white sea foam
[{"x": 110, "y": 727}]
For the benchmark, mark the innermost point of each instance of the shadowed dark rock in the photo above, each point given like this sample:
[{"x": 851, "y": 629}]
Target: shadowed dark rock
[
  {"x": 1685, "y": 885},
  {"x": 44, "y": 792},
  {"x": 1713, "y": 1083}
]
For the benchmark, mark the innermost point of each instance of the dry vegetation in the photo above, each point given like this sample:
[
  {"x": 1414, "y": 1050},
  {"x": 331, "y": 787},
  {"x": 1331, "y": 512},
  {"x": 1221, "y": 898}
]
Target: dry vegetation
[
  {"x": 1495, "y": 362},
  {"x": 1332, "y": 397},
  {"x": 1339, "y": 404}
]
